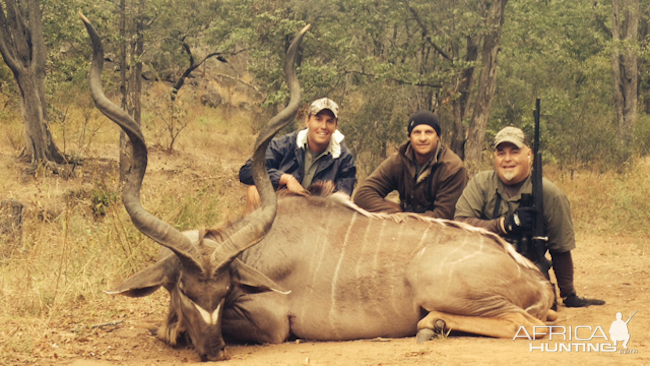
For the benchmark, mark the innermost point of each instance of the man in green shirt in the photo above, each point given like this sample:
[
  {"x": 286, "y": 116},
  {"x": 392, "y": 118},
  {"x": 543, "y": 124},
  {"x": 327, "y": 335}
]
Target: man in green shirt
[{"x": 491, "y": 200}]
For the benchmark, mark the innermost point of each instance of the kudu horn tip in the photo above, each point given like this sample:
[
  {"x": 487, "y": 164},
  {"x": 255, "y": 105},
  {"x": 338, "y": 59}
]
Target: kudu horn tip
[{"x": 83, "y": 18}]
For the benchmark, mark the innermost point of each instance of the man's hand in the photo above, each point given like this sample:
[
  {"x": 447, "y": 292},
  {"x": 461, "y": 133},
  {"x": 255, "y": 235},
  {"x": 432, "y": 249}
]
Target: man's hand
[
  {"x": 519, "y": 221},
  {"x": 575, "y": 301},
  {"x": 293, "y": 185}
]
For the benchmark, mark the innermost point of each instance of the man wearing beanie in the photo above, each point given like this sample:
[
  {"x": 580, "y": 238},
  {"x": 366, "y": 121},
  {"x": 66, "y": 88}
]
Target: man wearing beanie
[
  {"x": 428, "y": 176},
  {"x": 492, "y": 201}
]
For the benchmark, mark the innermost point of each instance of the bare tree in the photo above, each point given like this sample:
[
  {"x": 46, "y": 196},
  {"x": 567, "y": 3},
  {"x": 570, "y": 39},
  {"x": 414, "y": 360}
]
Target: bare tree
[
  {"x": 174, "y": 124},
  {"x": 625, "y": 24},
  {"x": 23, "y": 48}
]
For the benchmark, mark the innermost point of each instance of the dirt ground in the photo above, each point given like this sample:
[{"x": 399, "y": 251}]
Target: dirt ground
[{"x": 614, "y": 269}]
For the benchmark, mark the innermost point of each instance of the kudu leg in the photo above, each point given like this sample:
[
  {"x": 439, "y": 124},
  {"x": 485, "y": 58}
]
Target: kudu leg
[
  {"x": 551, "y": 316},
  {"x": 504, "y": 327}
]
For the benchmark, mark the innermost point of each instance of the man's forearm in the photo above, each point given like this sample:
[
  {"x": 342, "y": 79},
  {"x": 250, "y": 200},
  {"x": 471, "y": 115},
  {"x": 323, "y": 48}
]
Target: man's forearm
[
  {"x": 372, "y": 201},
  {"x": 563, "y": 268},
  {"x": 494, "y": 226}
]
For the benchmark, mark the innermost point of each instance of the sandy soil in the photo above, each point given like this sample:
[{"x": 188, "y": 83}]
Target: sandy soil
[{"x": 606, "y": 268}]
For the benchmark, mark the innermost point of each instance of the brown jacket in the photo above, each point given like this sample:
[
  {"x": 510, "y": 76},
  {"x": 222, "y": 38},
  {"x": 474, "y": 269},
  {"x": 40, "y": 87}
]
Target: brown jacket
[{"x": 434, "y": 192}]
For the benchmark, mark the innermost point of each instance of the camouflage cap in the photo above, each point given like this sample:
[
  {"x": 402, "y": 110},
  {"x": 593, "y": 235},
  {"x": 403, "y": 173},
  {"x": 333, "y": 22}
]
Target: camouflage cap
[
  {"x": 510, "y": 134},
  {"x": 324, "y": 103}
]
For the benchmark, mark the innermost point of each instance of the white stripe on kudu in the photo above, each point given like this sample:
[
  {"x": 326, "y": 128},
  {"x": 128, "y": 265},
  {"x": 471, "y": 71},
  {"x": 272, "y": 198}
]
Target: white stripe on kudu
[
  {"x": 207, "y": 317},
  {"x": 335, "y": 278}
]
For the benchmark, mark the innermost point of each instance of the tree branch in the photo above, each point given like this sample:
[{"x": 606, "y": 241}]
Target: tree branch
[
  {"x": 240, "y": 81},
  {"x": 399, "y": 81},
  {"x": 7, "y": 53},
  {"x": 18, "y": 31},
  {"x": 425, "y": 33},
  {"x": 6, "y": 44},
  {"x": 193, "y": 66},
  {"x": 601, "y": 24}
]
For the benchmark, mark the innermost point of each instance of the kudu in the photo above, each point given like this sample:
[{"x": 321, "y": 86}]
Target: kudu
[{"x": 323, "y": 269}]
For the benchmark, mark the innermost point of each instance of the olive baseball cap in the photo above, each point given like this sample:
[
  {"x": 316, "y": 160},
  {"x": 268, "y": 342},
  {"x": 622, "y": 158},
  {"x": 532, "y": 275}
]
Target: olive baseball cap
[
  {"x": 512, "y": 135},
  {"x": 324, "y": 103}
]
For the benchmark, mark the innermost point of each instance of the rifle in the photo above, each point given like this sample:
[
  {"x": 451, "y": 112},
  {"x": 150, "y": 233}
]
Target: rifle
[
  {"x": 534, "y": 244},
  {"x": 631, "y": 317}
]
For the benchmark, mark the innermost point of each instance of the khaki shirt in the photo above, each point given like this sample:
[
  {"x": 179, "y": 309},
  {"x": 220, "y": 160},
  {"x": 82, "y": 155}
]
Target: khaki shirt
[{"x": 479, "y": 199}]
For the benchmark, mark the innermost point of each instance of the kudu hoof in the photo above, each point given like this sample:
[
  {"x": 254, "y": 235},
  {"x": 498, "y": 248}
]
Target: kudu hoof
[
  {"x": 439, "y": 327},
  {"x": 424, "y": 335}
]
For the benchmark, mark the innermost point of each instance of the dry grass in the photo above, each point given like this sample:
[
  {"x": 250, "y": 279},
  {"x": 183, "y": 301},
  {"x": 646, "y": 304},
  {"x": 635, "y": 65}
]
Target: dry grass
[
  {"x": 78, "y": 241},
  {"x": 609, "y": 203}
]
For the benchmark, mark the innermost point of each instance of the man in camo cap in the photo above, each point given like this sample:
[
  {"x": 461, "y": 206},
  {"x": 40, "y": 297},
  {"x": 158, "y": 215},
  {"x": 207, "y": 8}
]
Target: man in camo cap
[
  {"x": 491, "y": 200},
  {"x": 314, "y": 154}
]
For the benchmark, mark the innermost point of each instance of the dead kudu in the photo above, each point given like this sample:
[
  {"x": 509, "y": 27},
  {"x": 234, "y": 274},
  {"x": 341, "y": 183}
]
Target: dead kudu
[{"x": 323, "y": 269}]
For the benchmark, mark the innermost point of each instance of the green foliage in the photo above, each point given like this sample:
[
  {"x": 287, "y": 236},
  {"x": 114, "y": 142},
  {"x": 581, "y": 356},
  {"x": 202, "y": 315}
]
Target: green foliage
[
  {"x": 7, "y": 85},
  {"x": 381, "y": 60},
  {"x": 204, "y": 26},
  {"x": 376, "y": 126},
  {"x": 67, "y": 41},
  {"x": 557, "y": 51},
  {"x": 101, "y": 199},
  {"x": 357, "y": 52}
]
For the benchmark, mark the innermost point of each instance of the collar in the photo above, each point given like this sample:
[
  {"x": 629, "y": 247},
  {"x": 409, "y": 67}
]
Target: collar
[
  {"x": 333, "y": 148},
  {"x": 526, "y": 186},
  {"x": 420, "y": 172}
]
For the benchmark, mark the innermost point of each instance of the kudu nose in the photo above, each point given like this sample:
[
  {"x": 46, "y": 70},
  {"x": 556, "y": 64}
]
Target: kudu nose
[{"x": 220, "y": 355}]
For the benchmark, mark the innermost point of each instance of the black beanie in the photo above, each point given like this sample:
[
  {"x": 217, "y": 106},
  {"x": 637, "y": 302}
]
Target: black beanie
[{"x": 423, "y": 117}]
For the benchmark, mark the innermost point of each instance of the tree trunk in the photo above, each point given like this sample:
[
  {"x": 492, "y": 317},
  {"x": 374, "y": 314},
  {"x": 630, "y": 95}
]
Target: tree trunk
[
  {"x": 461, "y": 105},
  {"x": 131, "y": 86},
  {"x": 136, "y": 76},
  {"x": 124, "y": 90},
  {"x": 23, "y": 48},
  {"x": 486, "y": 87},
  {"x": 625, "y": 24}
]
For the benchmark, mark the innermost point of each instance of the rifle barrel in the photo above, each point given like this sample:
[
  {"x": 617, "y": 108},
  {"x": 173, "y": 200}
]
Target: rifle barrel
[{"x": 631, "y": 317}]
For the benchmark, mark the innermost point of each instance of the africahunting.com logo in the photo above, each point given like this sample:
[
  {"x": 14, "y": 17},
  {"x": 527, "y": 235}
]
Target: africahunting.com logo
[{"x": 580, "y": 338}]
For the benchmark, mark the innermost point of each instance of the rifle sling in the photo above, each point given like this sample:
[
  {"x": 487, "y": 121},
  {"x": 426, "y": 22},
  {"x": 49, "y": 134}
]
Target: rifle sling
[{"x": 497, "y": 206}]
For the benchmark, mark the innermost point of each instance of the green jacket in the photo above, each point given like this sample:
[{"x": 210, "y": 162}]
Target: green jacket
[
  {"x": 476, "y": 206},
  {"x": 433, "y": 192}
]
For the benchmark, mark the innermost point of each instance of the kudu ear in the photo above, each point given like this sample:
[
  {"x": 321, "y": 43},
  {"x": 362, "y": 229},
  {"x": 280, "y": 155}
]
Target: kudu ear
[
  {"x": 246, "y": 275},
  {"x": 146, "y": 282}
]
